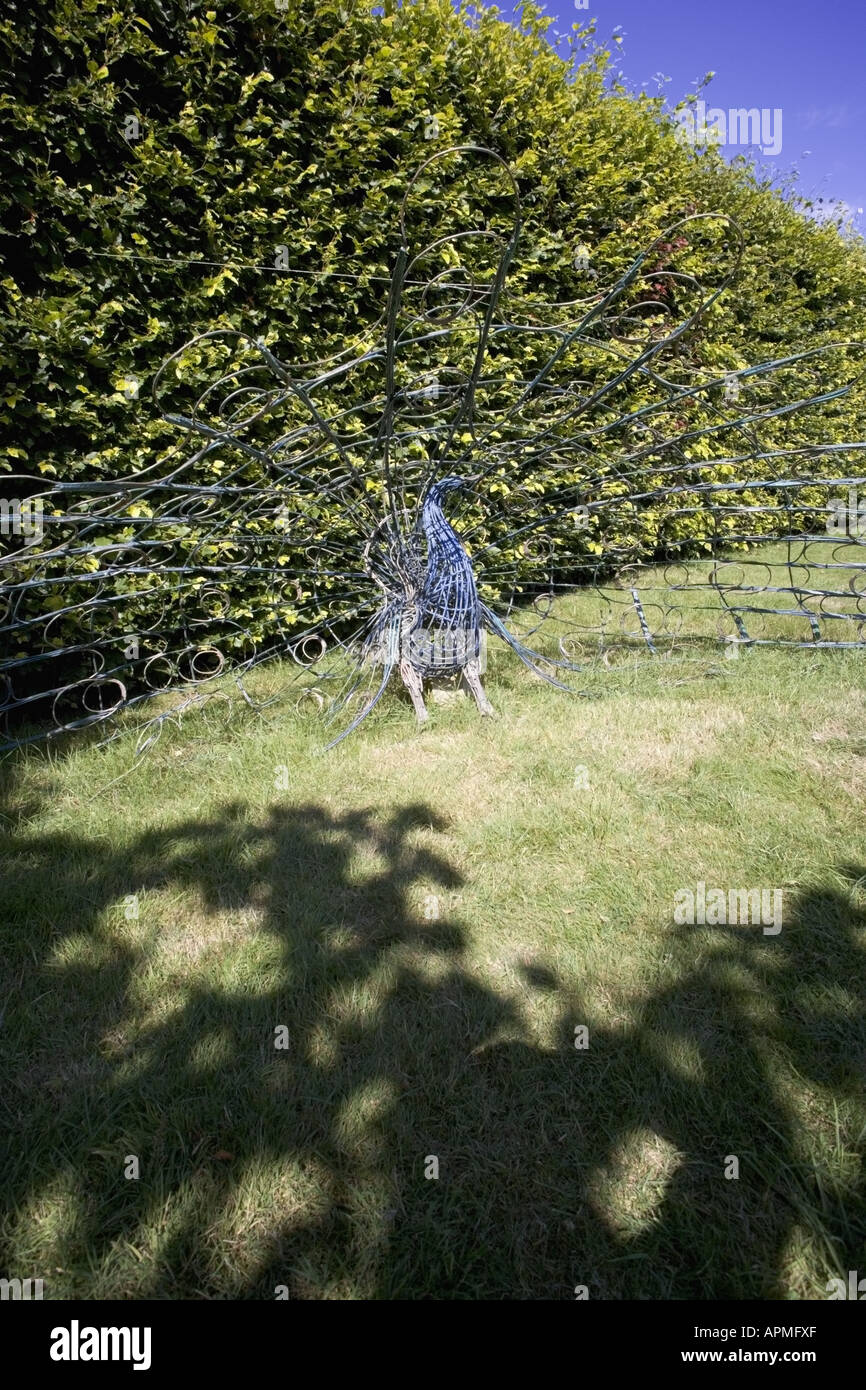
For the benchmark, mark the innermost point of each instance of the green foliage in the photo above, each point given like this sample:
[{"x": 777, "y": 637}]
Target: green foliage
[{"x": 217, "y": 131}]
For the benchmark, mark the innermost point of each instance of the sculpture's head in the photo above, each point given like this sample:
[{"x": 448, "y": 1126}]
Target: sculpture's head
[{"x": 446, "y": 485}]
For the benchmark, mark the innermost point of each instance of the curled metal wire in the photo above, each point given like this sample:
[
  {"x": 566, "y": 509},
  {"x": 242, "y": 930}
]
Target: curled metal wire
[{"x": 612, "y": 491}]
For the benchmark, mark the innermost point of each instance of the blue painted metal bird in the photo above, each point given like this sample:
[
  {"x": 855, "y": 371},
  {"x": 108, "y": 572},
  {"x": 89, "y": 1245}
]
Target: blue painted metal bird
[{"x": 433, "y": 623}]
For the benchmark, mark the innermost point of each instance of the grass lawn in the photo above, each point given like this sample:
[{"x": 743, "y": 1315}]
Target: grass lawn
[{"x": 424, "y": 919}]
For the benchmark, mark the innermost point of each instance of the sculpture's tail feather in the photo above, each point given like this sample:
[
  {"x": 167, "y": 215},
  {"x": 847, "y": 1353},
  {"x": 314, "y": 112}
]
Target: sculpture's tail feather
[
  {"x": 384, "y": 638},
  {"x": 529, "y": 657}
]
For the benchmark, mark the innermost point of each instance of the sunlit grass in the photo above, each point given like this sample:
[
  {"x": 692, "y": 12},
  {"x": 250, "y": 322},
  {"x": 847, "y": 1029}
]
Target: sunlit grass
[{"x": 431, "y": 915}]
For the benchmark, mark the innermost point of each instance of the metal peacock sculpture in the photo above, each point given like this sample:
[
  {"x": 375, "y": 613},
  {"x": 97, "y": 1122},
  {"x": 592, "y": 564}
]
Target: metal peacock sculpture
[
  {"x": 389, "y": 508},
  {"x": 438, "y": 615}
]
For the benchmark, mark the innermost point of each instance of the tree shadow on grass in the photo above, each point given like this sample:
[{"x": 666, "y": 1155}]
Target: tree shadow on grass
[{"x": 306, "y": 1168}]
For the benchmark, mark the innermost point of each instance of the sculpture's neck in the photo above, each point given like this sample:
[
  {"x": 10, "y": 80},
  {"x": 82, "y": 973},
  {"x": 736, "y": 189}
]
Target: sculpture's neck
[{"x": 438, "y": 531}]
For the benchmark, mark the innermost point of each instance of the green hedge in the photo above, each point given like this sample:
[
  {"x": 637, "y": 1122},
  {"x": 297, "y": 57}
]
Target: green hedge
[{"x": 219, "y": 131}]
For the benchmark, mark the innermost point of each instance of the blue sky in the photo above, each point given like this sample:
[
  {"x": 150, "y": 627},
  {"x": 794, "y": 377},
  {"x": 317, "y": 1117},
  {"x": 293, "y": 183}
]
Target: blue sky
[{"x": 805, "y": 59}]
